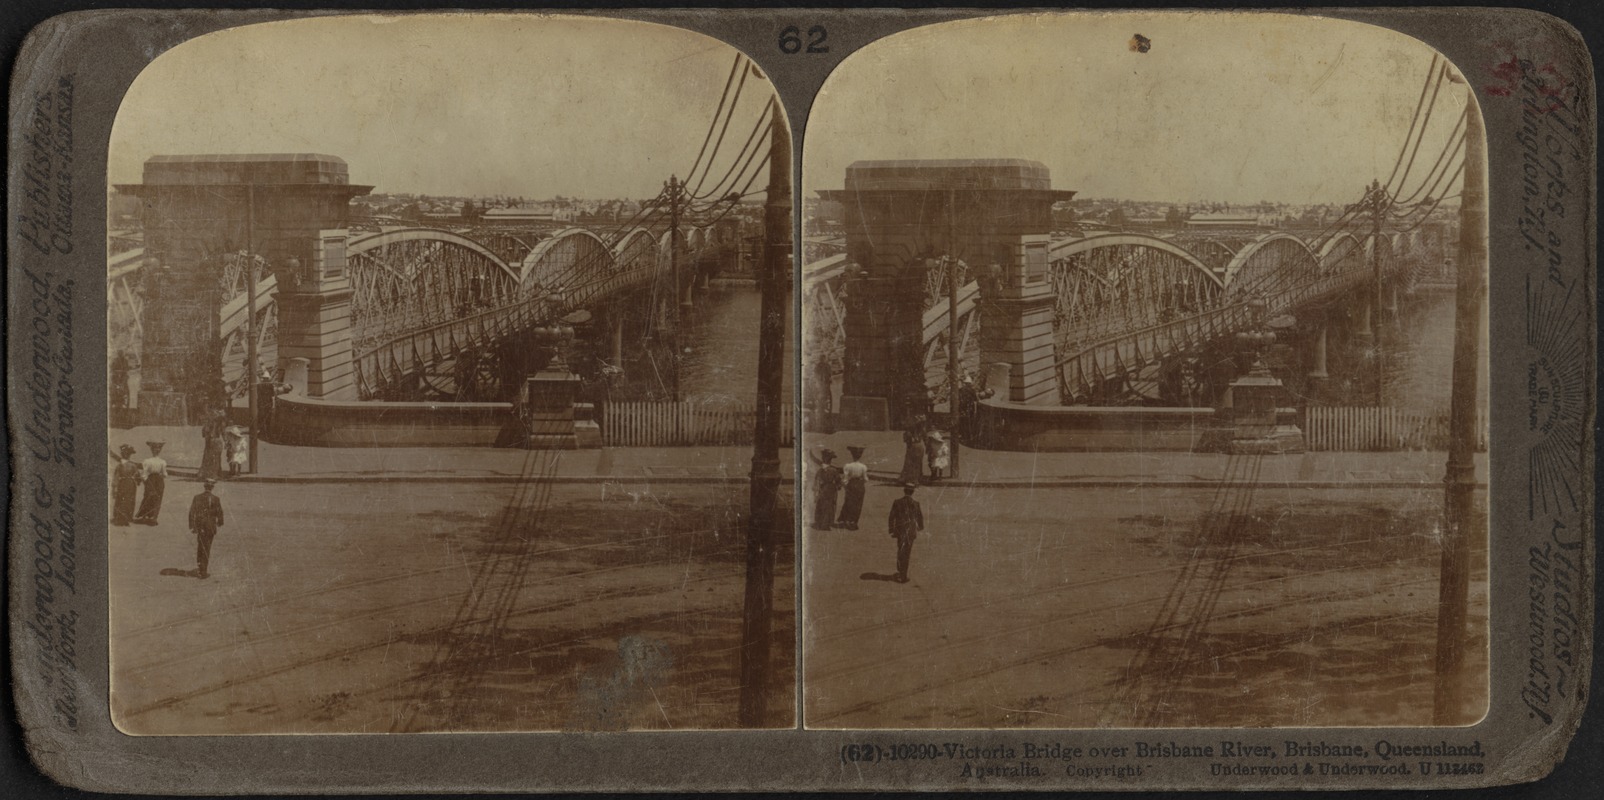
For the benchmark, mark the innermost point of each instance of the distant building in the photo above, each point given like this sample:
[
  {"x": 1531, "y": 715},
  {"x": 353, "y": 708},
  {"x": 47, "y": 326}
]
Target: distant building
[
  {"x": 1224, "y": 220},
  {"x": 516, "y": 216}
]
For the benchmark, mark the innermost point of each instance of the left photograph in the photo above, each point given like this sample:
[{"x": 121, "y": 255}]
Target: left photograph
[{"x": 449, "y": 381}]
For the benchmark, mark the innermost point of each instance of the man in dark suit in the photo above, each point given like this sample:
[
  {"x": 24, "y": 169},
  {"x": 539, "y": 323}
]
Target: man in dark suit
[
  {"x": 205, "y": 517},
  {"x": 907, "y": 520}
]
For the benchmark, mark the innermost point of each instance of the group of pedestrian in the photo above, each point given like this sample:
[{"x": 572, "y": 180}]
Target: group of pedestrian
[
  {"x": 828, "y": 482},
  {"x": 205, "y": 510},
  {"x": 906, "y": 520},
  {"x": 924, "y": 448},
  {"x": 127, "y": 477}
]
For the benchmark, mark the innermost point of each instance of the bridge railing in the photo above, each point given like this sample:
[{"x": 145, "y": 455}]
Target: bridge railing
[
  {"x": 685, "y": 423},
  {"x": 393, "y": 360},
  {"x": 1109, "y": 356},
  {"x": 1370, "y": 428}
]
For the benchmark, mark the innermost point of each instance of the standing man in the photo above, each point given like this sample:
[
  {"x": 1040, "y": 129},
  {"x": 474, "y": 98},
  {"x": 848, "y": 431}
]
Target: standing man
[
  {"x": 154, "y": 470},
  {"x": 205, "y": 517},
  {"x": 907, "y": 520}
]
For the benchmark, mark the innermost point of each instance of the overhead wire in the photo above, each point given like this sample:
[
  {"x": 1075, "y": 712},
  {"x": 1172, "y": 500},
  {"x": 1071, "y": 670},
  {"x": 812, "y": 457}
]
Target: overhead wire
[
  {"x": 1425, "y": 122},
  {"x": 1419, "y": 123},
  {"x": 747, "y": 172},
  {"x": 745, "y": 192},
  {"x": 1420, "y": 214},
  {"x": 1444, "y": 157},
  {"x": 1397, "y": 163},
  {"x": 735, "y": 65},
  {"x": 734, "y": 101},
  {"x": 763, "y": 118},
  {"x": 1421, "y": 220}
]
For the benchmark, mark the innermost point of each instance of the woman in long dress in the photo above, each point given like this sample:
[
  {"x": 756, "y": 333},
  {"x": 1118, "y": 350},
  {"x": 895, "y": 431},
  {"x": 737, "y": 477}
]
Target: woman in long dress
[
  {"x": 154, "y": 472},
  {"x": 913, "y": 458},
  {"x": 212, "y": 440},
  {"x": 124, "y": 487},
  {"x": 856, "y": 474},
  {"x": 826, "y": 485}
]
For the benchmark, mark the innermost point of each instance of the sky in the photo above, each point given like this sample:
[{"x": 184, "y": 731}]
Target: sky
[
  {"x": 1223, "y": 107},
  {"x": 458, "y": 104}
]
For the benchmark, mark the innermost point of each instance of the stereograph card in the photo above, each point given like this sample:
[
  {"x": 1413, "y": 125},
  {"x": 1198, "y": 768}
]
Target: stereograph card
[{"x": 806, "y": 400}]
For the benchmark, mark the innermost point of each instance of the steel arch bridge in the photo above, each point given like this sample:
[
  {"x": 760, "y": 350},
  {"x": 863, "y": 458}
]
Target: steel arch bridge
[
  {"x": 421, "y": 296},
  {"x": 1132, "y": 311}
]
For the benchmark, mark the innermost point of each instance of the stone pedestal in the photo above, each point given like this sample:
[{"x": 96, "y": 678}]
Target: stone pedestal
[
  {"x": 549, "y": 406},
  {"x": 1259, "y": 424},
  {"x": 164, "y": 408}
]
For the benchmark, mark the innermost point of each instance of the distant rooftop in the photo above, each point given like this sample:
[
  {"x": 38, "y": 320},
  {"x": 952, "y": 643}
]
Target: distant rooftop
[
  {"x": 239, "y": 168},
  {"x": 967, "y": 173}
]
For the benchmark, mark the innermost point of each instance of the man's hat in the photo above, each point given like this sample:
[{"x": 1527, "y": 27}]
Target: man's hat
[
  {"x": 910, "y": 485},
  {"x": 210, "y": 482}
]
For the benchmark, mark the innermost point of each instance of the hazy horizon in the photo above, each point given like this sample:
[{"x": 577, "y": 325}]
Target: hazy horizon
[
  {"x": 1224, "y": 107},
  {"x": 460, "y": 104}
]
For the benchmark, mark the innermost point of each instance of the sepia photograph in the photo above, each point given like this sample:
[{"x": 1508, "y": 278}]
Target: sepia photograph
[
  {"x": 447, "y": 381},
  {"x": 1144, "y": 367},
  {"x": 801, "y": 400}
]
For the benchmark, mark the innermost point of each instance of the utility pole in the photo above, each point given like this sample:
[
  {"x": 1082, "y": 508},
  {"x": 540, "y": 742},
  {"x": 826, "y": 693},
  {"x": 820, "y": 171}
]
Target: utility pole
[
  {"x": 673, "y": 189},
  {"x": 250, "y": 322},
  {"x": 952, "y": 332},
  {"x": 774, "y": 280},
  {"x": 1377, "y": 201},
  {"x": 1459, "y": 481}
]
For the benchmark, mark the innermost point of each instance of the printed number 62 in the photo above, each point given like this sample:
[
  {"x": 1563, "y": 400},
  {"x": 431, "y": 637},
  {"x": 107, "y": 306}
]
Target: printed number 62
[{"x": 791, "y": 40}]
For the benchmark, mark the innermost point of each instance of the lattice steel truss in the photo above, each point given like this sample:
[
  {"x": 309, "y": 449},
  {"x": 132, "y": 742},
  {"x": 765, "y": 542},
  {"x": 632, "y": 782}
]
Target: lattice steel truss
[{"x": 422, "y": 297}]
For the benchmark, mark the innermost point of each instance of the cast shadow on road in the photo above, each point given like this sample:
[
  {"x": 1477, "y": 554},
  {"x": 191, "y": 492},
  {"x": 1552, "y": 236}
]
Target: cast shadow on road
[
  {"x": 875, "y": 576},
  {"x": 174, "y": 572}
]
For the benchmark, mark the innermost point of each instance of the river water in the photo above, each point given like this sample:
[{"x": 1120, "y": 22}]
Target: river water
[
  {"x": 720, "y": 345},
  {"x": 1420, "y": 367},
  {"x": 720, "y": 358}
]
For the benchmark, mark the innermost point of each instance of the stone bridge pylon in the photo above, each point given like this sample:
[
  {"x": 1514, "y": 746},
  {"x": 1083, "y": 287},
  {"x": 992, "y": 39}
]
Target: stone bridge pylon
[
  {"x": 288, "y": 210},
  {"x": 985, "y": 219}
]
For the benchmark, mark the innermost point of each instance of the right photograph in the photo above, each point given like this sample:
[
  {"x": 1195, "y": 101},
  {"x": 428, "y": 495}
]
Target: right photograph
[{"x": 1144, "y": 363}]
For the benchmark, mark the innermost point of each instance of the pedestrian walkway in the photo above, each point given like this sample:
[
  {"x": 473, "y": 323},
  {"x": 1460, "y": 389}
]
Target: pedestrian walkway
[
  {"x": 691, "y": 465},
  {"x": 288, "y": 464},
  {"x": 996, "y": 468}
]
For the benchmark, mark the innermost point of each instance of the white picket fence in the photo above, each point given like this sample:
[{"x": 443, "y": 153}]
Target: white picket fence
[
  {"x": 1372, "y": 428},
  {"x": 669, "y": 424}
]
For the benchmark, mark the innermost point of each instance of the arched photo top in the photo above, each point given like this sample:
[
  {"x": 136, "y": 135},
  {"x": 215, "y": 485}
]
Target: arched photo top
[
  {"x": 1205, "y": 107},
  {"x": 1125, "y": 284},
  {"x": 474, "y": 240},
  {"x": 458, "y": 104}
]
